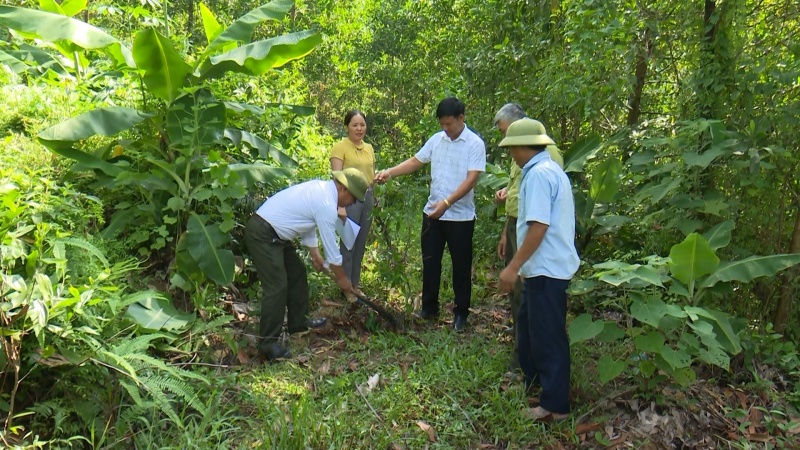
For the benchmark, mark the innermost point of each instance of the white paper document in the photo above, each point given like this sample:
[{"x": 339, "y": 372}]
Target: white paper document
[{"x": 347, "y": 232}]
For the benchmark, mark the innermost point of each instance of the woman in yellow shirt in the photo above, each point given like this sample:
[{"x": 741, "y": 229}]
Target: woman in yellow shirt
[{"x": 352, "y": 151}]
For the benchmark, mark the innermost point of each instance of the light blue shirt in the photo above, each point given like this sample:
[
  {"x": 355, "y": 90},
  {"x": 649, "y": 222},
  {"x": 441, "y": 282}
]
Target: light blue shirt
[{"x": 545, "y": 196}]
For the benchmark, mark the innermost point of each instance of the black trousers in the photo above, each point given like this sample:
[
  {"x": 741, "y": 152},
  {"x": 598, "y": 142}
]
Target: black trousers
[
  {"x": 458, "y": 238},
  {"x": 543, "y": 342}
]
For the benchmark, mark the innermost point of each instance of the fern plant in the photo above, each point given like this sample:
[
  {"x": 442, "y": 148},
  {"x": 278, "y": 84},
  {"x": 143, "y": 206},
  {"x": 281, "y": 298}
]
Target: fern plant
[{"x": 67, "y": 350}]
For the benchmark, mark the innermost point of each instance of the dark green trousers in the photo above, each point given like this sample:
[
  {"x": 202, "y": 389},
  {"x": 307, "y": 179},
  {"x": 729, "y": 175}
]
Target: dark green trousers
[
  {"x": 515, "y": 296},
  {"x": 283, "y": 278}
]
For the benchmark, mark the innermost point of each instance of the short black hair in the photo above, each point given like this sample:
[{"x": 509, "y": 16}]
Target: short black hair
[
  {"x": 352, "y": 113},
  {"x": 450, "y": 107}
]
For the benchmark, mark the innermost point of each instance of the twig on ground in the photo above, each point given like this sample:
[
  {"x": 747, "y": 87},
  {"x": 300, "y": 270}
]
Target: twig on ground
[
  {"x": 603, "y": 400},
  {"x": 218, "y": 366},
  {"x": 370, "y": 406},
  {"x": 459, "y": 407}
]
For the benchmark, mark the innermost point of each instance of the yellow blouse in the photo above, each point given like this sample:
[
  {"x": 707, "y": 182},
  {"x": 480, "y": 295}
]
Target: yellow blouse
[{"x": 362, "y": 157}]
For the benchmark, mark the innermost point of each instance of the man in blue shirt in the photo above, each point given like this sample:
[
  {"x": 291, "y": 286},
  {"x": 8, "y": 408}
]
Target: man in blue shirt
[{"x": 546, "y": 260}]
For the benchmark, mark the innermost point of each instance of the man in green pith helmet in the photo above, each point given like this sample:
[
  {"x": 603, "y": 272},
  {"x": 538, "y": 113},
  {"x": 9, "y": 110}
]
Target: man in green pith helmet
[
  {"x": 507, "y": 248},
  {"x": 298, "y": 212},
  {"x": 546, "y": 260}
]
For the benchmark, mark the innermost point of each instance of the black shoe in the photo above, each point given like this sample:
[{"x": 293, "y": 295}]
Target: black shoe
[
  {"x": 274, "y": 351},
  {"x": 426, "y": 315},
  {"x": 310, "y": 323},
  {"x": 316, "y": 323},
  {"x": 460, "y": 324}
]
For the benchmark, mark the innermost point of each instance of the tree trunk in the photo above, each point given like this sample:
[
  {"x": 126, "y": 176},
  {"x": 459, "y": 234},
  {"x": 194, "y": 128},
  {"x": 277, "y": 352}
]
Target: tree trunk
[
  {"x": 784, "y": 310},
  {"x": 710, "y": 59},
  {"x": 635, "y": 100},
  {"x": 190, "y": 21}
]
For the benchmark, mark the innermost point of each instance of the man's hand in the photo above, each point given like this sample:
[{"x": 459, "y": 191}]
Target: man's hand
[
  {"x": 501, "y": 195},
  {"x": 508, "y": 277},
  {"x": 438, "y": 210},
  {"x": 383, "y": 176},
  {"x": 342, "y": 212},
  {"x": 316, "y": 259},
  {"x": 501, "y": 247},
  {"x": 342, "y": 280}
]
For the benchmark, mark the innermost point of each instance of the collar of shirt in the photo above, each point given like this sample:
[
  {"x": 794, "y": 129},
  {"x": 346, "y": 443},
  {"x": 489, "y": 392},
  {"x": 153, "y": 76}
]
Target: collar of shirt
[
  {"x": 357, "y": 147},
  {"x": 542, "y": 156},
  {"x": 460, "y": 137}
]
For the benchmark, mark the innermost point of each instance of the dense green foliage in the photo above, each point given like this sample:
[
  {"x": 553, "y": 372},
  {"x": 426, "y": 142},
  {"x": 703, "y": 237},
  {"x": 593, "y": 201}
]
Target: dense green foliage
[{"x": 138, "y": 136}]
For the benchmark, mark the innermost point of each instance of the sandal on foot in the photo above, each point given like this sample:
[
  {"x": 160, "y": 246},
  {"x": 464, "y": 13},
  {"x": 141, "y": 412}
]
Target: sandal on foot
[{"x": 539, "y": 414}]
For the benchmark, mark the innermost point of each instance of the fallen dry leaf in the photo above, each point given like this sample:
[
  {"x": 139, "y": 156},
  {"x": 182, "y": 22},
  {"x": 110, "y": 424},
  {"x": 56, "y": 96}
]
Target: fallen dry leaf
[
  {"x": 622, "y": 439},
  {"x": 353, "y": 366},
  {"x": 742, "y": 398},
  {"x": 325, "y": 367},
  {"x": 331, "y": 304},
  {"x": 242, "y": 357},
  {"x": 54, "y": 360},
  {"x": 587, "y": 427},
  {"x": 759, "y": 437},
  {"x": 373, "y": 381},
  {"x": 242, "y": 310},
  {"x": 428, "y": 430},
  {"x": 795, "y": 428}
]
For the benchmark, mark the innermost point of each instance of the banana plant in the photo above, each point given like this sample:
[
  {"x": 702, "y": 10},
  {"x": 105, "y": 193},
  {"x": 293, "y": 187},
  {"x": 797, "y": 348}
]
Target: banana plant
[
  {"x": 173, "y": 155},
  {"x": 672, "y": 333}
]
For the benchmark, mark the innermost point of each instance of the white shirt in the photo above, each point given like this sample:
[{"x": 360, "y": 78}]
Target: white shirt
[
  {"x": 451, "y": 160},
  {"x": 545, "y": 196},
  {"x": 299, "y": 210}
]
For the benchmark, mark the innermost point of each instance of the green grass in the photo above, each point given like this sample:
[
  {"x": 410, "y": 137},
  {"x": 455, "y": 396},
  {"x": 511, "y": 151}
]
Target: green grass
[
  {"x": 26, "y": 111},
  {"x": 429, "y": 375}
]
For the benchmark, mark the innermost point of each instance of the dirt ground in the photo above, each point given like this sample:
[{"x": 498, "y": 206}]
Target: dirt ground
[{"x": 707, "y": 415}]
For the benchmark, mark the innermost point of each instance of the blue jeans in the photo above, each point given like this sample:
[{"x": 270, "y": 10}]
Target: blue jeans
[{"x": 543, "y": 342}]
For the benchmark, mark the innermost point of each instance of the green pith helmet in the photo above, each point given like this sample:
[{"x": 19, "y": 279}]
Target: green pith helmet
[
  {"x": 355, "y": 182},
  {"x": 526, "y": 132}
]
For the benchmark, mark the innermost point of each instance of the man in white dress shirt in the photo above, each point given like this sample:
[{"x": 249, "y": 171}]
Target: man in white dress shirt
[
  {"x": 457, "y": 156},
  {"x": 297, "y": 212}
]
